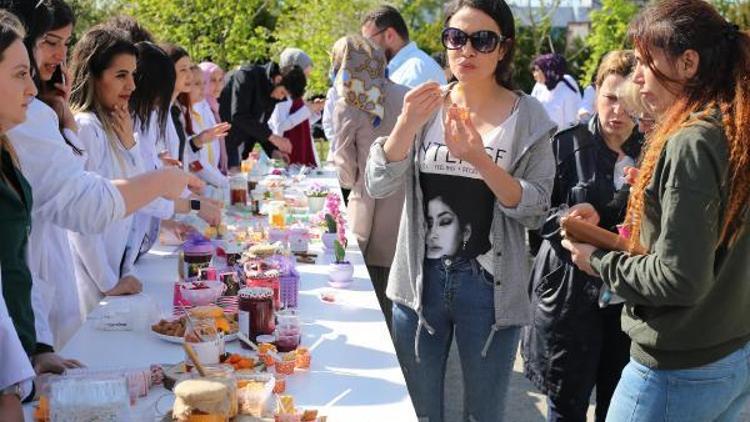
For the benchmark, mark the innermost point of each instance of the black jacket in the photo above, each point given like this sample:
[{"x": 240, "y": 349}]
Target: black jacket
[
  {"x": 246, "y": 103},
  {"x": 565, "y": 298}
]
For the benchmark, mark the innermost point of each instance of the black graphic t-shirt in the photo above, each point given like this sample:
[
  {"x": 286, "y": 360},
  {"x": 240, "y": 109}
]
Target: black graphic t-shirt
[{"x": 458, "y": 203}]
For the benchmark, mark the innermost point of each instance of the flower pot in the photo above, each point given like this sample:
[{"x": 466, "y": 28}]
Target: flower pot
[
  {"x": 340, "y": 274},
  {"x": 315, "y": 203},
  {"x": 328, "y": 239}
]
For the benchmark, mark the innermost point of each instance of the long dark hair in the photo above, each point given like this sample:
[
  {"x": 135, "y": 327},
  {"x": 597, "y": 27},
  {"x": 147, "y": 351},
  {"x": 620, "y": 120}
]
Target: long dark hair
[
  {"x": 720, "y": 82},
  {"x": 175, "y": 53},
  {"x": 154, "y": 85},
  {"x": 500, "y": 12},
  {"x": 11, "y": 30},
  {"x": 92, "y": 56}
]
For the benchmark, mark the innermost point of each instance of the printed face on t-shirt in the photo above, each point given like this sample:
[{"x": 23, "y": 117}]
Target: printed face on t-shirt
[{"x": 444, "y": 232}]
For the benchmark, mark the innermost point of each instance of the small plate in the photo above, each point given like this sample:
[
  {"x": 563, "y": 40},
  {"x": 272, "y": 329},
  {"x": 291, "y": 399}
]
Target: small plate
[{"x": 180, "y": 340}]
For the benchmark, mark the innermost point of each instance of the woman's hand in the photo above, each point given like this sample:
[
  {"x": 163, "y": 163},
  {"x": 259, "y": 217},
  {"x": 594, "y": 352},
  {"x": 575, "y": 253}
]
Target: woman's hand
[
  {"x": 631, "y": 175},
  {"x": 59, "y": 99},
  {"x": 580, "y": 254},
  {"x": 461, "y": 137},
  {"x": 420, "y": 104},
  {"x": 52, "y": 363},
  {"x": 174, "y": 181},
  {"x": 210, "y": 211},
  {"x": 283, "y": 144},
  {"x": 122, "y": 124},
  {"x": 209, "y": 135},
  {"x": 127, "y": 285},
  {"x": 584, "y": 211}
]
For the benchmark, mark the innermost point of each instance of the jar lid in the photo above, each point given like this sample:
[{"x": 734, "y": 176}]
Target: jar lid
[{"x": 256, "y": 293}]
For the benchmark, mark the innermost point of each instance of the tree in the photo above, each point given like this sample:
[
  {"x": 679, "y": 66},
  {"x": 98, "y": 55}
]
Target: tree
[
  {"x": 228, "y": 32},
  {"x": 314, "y": 26},
  {"x": 91, "y": 12},
  {"x": 424, "y": 18},
  {"x": 609, "y": 27}
]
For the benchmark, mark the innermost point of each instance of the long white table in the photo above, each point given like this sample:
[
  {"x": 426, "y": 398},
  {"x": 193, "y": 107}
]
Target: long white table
[{"x": 354, "y": 375}]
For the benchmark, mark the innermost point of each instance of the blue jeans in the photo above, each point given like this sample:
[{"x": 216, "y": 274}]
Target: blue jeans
[
  {"x": 458, "y": 297},
  {"x": 713, "y": 392}
]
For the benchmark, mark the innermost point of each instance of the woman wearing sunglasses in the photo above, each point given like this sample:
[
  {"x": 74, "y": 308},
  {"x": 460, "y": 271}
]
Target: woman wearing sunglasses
[{"x": 479, "y": 139}]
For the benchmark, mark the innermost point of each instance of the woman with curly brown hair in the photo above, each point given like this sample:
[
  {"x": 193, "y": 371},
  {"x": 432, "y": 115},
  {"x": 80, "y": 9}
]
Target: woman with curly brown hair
[{"x": 687, "y": 299}]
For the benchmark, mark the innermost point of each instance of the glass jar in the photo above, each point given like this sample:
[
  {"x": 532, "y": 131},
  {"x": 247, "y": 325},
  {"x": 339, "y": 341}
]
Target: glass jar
[
  {"x": 203, "y": 337},
  {"x": 288, "y": 331},
  {"x": 256, "y": 312},
  {"x": 225, "y": 374},
  {"x": 238, "y": 190},
  {"x": 277, "y": 214},
  {"x": 197, "y": 256}
]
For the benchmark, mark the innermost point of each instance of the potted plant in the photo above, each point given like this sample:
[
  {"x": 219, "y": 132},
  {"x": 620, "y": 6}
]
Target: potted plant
[
  {"x": 340, "y": 271},
  {"x": 316, "y": 197},
  {"x": 329, "y": 237}
]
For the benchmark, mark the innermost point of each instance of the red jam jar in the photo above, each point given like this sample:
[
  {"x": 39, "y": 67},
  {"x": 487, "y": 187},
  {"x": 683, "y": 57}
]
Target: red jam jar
[
  {"x": 269, "y": 279},
  {"x": 256, "y": 312}
]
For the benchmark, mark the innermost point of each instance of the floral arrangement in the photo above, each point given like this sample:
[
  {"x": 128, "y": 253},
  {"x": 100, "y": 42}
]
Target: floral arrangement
[
  {"x": 317, "y": 190},
  {"x": 335, "y": 218}
]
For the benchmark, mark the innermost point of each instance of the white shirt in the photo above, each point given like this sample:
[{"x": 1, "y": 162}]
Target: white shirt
[
  {"x": 66, "y": 197},
  {"x": 587, "y": 102},
  {"x": 561, "y": 103},
  {"x": 15, "y": 367},
  {"x": 412, "y": 66},
  {"x": 283, "y": 120},
  {"x": 209, "y": 154},
  {"x": 98, "y": 258},
  {"x": 328, "y": 127}
]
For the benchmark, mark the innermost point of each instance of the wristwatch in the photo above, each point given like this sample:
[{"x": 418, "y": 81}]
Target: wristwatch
[
  {"x": 13, "y": 389},
  {"x": 195, "y": 204}
]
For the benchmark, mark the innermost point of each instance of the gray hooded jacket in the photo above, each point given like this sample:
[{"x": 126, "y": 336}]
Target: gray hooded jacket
[{"x": 533, "y": 166}]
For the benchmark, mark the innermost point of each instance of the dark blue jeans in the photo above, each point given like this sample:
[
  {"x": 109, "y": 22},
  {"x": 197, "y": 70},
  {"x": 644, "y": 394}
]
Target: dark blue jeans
[{"x": 458, "y": 298}]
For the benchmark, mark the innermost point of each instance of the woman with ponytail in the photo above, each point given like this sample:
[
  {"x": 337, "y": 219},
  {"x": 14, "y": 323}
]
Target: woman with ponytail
[{"x": 688, "y": 298}]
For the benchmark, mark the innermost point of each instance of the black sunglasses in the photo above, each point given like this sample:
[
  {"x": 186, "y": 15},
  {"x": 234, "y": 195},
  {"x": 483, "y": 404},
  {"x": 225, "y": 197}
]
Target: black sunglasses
[{"x": 482, "y": 41}]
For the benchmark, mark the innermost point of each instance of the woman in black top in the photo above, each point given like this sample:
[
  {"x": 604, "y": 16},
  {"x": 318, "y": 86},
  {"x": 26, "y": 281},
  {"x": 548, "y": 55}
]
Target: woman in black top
[{"x": 575, "y": 341}]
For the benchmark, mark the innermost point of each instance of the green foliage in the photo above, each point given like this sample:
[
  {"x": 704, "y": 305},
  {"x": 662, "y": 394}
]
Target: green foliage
[
  {"x": 609, "y": 27},
  {"x": 228, "y": 32},
  {"x": 339, "y": 252},
  {"x": 331, "y": 223},
  {"x": 735, "y": 11},
  {"x": 91, "y": 12},
  {"x": 313, "y": 26},
  {"x": 424, "y": 18}
]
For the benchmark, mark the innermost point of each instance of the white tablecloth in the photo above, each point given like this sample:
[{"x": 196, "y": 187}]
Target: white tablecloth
[{"x": 354, "y": 375}]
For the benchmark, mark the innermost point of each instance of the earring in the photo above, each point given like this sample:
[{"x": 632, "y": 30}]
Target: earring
[{"x": 464, "y": 245}]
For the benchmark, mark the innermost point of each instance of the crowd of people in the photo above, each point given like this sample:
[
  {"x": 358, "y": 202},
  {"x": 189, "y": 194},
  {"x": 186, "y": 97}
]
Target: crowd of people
[{"x": 457, "y": 185}]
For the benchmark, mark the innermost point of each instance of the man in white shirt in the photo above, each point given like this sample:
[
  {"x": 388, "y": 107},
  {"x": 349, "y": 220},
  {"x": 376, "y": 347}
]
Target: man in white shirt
[{"x": 407, "y": 64}]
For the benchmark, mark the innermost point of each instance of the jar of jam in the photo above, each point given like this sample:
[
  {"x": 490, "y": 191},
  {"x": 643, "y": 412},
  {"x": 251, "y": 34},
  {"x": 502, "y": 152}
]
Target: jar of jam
[
  {"x": 270, "y": 279},
  {"x": 256, "y": 312},
  {"x": 197, "y": 255},
  {"x": 238, "y": 190}
]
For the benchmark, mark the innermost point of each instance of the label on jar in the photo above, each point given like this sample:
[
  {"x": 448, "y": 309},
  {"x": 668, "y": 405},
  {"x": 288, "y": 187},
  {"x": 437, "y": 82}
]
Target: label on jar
[{"x": 244, "y": 321}]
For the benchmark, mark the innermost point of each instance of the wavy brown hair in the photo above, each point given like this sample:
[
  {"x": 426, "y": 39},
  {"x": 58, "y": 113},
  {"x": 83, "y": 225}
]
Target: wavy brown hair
[{"x": 721, "y": 82}]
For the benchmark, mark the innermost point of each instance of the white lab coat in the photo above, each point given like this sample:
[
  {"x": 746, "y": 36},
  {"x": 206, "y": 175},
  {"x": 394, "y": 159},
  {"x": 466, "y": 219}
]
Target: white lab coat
[
  {"x": 282, "y": 120},
  {"x": 210, "y": 153},
  {"x": 100, "y": 258},
  {"x": 150, "y": 141},
  {"x": 561, "y": 103},
  {"x": 65, "y": 197},
  {"x": 15, "y": 367}
]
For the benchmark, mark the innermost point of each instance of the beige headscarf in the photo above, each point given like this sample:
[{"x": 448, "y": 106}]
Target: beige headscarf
[{"x": 360, "y": 75}]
